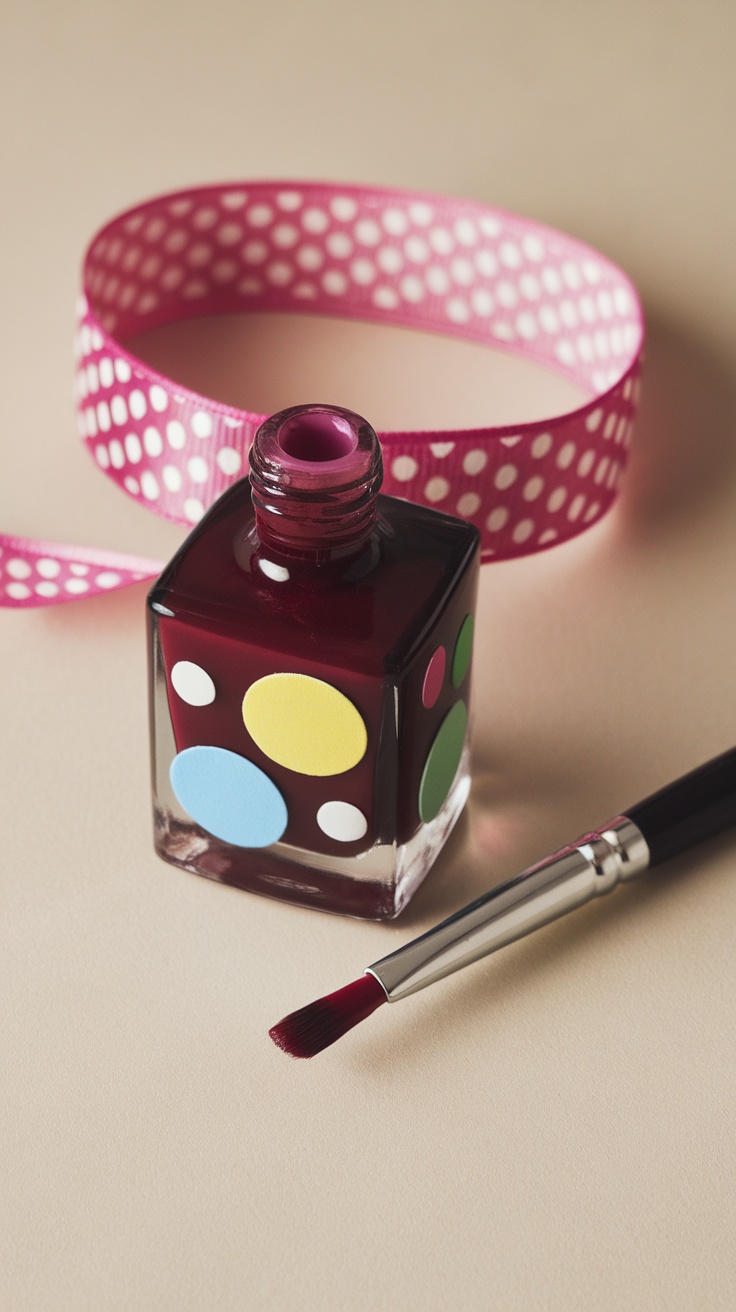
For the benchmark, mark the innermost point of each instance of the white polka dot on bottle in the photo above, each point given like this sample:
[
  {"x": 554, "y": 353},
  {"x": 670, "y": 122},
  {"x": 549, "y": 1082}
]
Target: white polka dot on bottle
[
  {"x": 342, "y": 821},
  {"x": 193, "y": 684}
]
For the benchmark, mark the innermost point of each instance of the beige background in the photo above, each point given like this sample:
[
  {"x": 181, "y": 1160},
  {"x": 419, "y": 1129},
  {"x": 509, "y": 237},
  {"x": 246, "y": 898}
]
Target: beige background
[{"x": 554, "y": 1128}]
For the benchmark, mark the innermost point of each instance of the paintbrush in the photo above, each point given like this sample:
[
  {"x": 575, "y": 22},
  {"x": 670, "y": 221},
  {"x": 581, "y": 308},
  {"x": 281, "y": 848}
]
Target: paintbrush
[{"x": 686, "y": 812}]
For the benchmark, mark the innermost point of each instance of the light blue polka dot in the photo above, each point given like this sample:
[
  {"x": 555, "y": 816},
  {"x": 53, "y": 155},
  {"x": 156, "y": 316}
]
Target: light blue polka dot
[{"x": 228, "y": 796}]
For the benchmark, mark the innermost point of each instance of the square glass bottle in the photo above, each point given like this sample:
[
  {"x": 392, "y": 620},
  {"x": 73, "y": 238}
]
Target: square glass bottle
[{"x": 310, "y": 650}]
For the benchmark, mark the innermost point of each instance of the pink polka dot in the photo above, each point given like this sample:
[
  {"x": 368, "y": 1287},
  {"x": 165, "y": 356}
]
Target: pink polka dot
[{"x": 434, "y": 678}]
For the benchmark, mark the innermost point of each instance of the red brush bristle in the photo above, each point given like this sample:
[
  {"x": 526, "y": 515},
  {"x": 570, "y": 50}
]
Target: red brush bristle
[{"x": 306, "y": 1032}]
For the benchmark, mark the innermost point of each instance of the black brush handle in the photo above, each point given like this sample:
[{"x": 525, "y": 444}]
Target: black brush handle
[{"x": 697, "y": 806}]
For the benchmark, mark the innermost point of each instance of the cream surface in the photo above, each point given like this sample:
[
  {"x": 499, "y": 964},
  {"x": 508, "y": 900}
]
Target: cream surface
[{"x": 551, "y": 1129}]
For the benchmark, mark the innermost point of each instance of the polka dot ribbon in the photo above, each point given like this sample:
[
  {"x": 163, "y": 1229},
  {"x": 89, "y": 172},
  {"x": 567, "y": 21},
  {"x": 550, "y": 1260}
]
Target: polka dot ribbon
[{"x": 430, "y": 262}]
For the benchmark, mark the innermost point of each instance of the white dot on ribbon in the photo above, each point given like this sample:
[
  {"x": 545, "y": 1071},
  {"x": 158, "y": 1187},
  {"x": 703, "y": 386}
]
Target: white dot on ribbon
[{"x": 201, "y": 424}]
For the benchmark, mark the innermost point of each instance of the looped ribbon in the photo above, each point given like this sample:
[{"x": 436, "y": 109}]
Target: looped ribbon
[{"x": 434, "y": 263}]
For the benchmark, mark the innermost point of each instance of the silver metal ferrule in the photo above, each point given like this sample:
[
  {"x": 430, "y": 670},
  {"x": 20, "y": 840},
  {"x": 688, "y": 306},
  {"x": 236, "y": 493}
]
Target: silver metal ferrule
[{"x": 594, "y": 864}]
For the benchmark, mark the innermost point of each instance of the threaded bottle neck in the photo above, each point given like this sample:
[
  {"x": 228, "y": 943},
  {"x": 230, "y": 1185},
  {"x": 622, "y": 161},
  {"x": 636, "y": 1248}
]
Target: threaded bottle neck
[{"x": 315, "y": 474}]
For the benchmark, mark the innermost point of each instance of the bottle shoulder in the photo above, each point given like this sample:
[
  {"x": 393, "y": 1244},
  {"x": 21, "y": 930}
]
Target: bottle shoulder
[{"x": 370, "y": 611}]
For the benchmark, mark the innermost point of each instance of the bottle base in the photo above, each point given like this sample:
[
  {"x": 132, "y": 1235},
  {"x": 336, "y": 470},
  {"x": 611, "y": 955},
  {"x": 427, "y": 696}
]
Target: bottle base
[{"x": 376, "y": 885}]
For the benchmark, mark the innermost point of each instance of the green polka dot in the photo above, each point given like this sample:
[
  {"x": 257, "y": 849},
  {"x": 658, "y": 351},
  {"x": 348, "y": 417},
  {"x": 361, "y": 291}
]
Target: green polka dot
[
  {"x": 442, "y": 761},
  {"x": 463, "y": 651}
]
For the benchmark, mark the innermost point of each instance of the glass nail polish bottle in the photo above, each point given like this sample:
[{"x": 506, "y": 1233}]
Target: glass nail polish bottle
[{"x": 310, "y": 649}]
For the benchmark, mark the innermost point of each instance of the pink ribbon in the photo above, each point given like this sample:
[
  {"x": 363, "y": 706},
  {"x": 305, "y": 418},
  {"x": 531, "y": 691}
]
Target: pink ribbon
[{"x": 431, "y": 262}]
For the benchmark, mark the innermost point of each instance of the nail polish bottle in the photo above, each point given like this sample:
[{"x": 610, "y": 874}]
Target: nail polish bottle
[{"x": 310, "y": 650}]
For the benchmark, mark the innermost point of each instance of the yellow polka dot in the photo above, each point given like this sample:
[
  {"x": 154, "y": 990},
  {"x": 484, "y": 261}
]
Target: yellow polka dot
[{"x": 304, "y": 724}]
